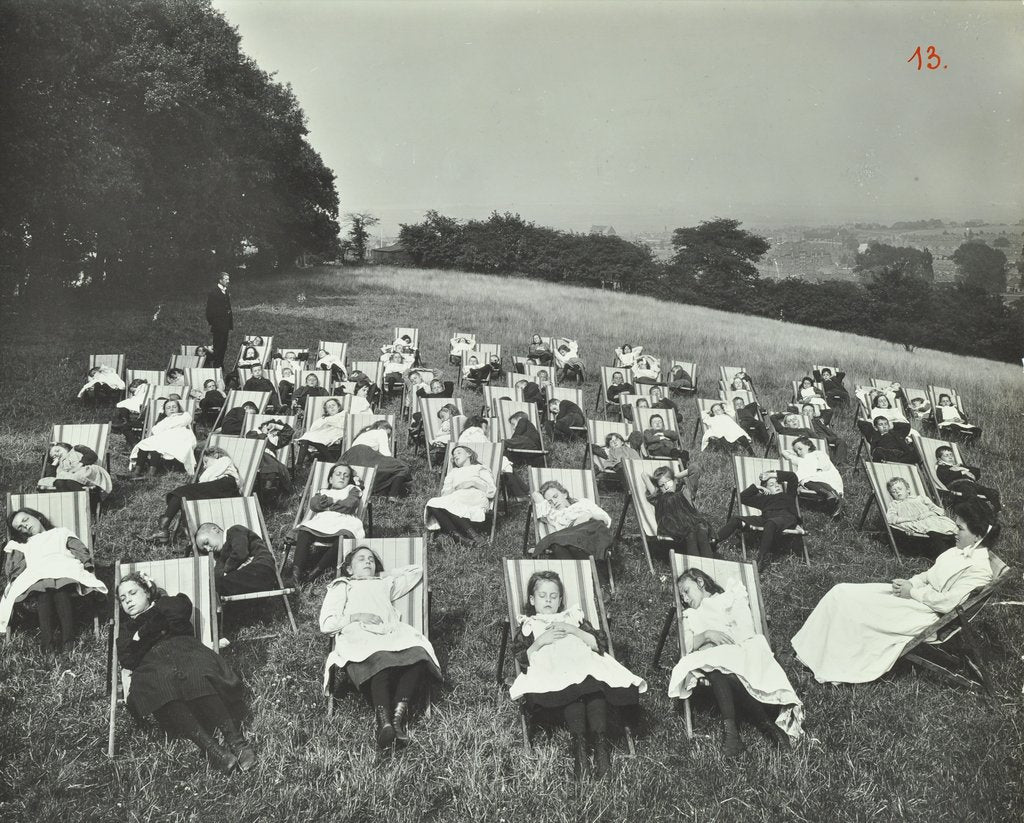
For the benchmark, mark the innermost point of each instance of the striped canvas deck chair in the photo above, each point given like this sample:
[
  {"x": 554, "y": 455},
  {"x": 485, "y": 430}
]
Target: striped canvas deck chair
[
  {"x": 69, "y": 510},
  {"x": 580, "y": 581},
  {"x": 747, "y": 470},
  {"x": 490, "y": 455},
  {"x": 573, "y": 395},
  {"x": 314, "y": 408},
  {"x": 690, "y": 367},
  {"x": 483, "y": 353},
  {"x": 236, "y": 398},
  {"x": 414, "y": 606},
  {"x": 597, "y": 433},
  {"x": 409, "y": 396},
  {"x": 154, "y": 377},
  {"x": 432, "y": 427},
  {"x": 643, "y": 419},
  {"x": 254, "y": 421},
  {"x": 723, "y": 572},
  {"x": 493, "y": 396},
  {"x": 373, "y": 369},
  {"x": 467, "y": 342},
  {"x": 191, "y": 576},
  {"x": 238, "y": 511},
  {"x": 245, "y": 452},
  {"x": 355, "y": 423},
  {"x": 155, "y": 407},
  {"x": 950, "y": 647},
  {"x": 333, "y": 348},
  {"x": 637, "y": 499},
  {"x": 94, "y": 435},
  {"x": 602, "y": 401},
  {"x": 879, "y": 474},
  {"x": 263, "y": 349},
  {"x": 532, "y": 372},
  {"x": 510, "y": 407},
  {"x": 114, "y": 361},
  {"x": 195, "y": 378},
  {"x": 317, "y": 480},
  {"x": 944, "y": 428},
  {"x": 926, "y": 447},
  {"x": 726, "y": 374},
  {"x": 580, "y": 483},
  {"x": 186, "y": 361}
]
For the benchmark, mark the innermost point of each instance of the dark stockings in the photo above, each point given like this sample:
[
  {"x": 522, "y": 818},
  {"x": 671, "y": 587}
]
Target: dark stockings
[
  {"x": 451, "y": 524},
  {"x": 406, "y": 681},
  {"x": 328, "y": 561},
  {"x": 589, "y": 713},
  {"x": 198, "y": 718},
  {"x": 54, "y": 606}
]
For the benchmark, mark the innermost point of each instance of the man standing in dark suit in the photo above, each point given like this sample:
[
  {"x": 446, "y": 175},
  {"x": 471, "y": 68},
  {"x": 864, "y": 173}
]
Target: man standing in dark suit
[{"x": 218, "y": 315}]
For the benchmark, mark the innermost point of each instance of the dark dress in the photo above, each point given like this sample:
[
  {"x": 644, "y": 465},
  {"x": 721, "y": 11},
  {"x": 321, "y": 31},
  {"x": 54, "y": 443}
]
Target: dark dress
[
  {"x": 225, "y": 486},
  {"x": 525, "y": 436},
  {"x": 679, "y": 519},
  {"x": 244, "y": 564},
  {"x": 233, "y": 421},
  {"x": 168, "y": 662},
  {"x": 591, "y": 538},
  {"x": 393, "y": 477}
]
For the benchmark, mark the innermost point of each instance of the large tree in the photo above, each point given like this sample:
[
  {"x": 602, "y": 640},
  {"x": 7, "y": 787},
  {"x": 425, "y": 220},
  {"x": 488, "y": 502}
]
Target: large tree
[
  {"x": 881, "y": 258},
  {"x": 718, "y": 257},
  {"x": 358, "y": 232},
  {"x": 981, "y": 266}
]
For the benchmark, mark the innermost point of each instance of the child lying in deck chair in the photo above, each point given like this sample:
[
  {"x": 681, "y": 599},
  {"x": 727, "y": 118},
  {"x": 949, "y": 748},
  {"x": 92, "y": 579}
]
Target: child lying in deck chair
[
  {"x": 567, "y": 358},
  {"x": 890, "y": 443},
  {"x": 464, "y": 499},
  {"x": 76, "y": 468},
  {"x": 334, "y": 509},
  {"x": 919, "y": 516},
  {"x": 776, "y": 498},
  {"x": 832, "y": 386},
  {"x": 102, "y": 379},
  {"x": 539, "y": 352},
  {"x": 963, "y": 479},
  {"x": 675, "y": 513},
  {"x": 219, "y": 478},
  {"x": 816, "y": 473},
  {"x": 826, "y": 432},
  {"x": 950, "y": 418},
  {"x": 610, "y": 456},
  {"x": 579, "y": 527},
  {"x": 170, "y": 443},
  {"x": 721, "y": 430},
  {"x": 659, "y": 441},
  {"x": 748, "y": 417},
  {"x": 244, "y": 564}
]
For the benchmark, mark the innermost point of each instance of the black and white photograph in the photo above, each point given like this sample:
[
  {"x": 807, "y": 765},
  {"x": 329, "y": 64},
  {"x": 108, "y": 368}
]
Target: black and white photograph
[{"x": 504, "y": 410}]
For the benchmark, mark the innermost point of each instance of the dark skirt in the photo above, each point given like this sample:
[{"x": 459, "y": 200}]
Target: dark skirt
[
  {"x": 593, "y": 538},
  {"x": 388, "y": 468},
  {"x": 181, "y": 668},
  {"x": 361, "y": 672},
  {"x": 210, "y": 490},
  {"x": 620, "y": 696},
  {"x": 251, "y": 578}
]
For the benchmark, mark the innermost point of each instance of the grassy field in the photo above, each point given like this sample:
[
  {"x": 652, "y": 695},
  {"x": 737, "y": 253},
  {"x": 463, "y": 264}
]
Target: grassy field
[{"x": 903, "y": 748}]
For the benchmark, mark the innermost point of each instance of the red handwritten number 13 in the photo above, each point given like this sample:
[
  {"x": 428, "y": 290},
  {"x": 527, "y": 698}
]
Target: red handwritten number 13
[{"x": 933, "y": 62}]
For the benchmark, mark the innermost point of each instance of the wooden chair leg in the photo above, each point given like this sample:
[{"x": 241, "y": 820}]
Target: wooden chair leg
[
  {"x": 506, "y": 629},
  {"x": 973, "y": 652},
  {"x": 864, "y": 514},
  {"x": 666, "y": 627},
  {"x": 622, "y": 522},
  {"x": 526, "y": 531}
]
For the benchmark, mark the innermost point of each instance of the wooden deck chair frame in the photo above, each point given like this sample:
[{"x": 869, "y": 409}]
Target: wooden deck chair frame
[
  {"x": 355, "y": 423},
  {"x": 691, "y": 369},
  {"x": 154, "y": 377},
  {"x": 580, "y": 483},
  {"x": 254, "y": 421},
  {"x": 490, "y": 455},
  {"x": 878, "y": 475},
  {"x": 238, "y": 511},
  {"x": 637, "y": 499},
  {"x": 722, "y": 572},
  {"x": 510, "y": 407},
  {"x": 70, "y": 510},
  {"x": 245, "y": 452},
  {"x": 192, "y": 576},
  {"x": 926, "y": 447},
  {"x": 643, "y": 420},
  {"x": 456, "y": 359},
  {"x": 934, "y": 392},
  {"x": 115, "y": 361},
  {"x": 934, "y": 648},
  {"x": 94, "y": 435},
  {"x": 236, "y": 398},
  {"x": 185, "y": 361},
  {"x": 602, "y": 402},
  {"x": 745, "y": 471},
  {"x": 428, "y": 408},
  {"x": 414, "y": 606},
  {"x": 493, "y": 395},
  {"x": 262, "y": 349},
  {"x": 154, "y": 406},
  {"x": 597, "y": 431},
  {"x": 316, "y": 480},
  {"x": 580, "y": 581}
]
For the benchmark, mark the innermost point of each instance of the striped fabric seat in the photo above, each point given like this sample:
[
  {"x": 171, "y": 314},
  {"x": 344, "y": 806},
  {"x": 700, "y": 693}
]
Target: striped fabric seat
[
  {"x": 747, "y": 470},
  {"x": 245, "y": 452},
  {"x": 637, "y": 499},
  {"x": 879, "y": 474}
]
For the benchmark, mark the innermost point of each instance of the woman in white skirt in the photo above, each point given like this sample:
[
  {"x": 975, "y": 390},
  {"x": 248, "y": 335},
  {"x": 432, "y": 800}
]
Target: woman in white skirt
[
  {"x": 44, "y": 562},
  {"x": 565, "y": 665},
  {"x": 464, "y": 499},
  {"x": 857, "y": 631},
  {"x": 171, "y": 439},
  {"x": 384, "y": 657},
  {"x": 334, "y": 517},
  {"x": 726, "y": 652}
]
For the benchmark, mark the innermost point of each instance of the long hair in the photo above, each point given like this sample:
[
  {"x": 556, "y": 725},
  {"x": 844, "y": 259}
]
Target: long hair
[
  {"x": 531, "y": 587},
  {"x": 346, "y": 563},
  {"x": 807, "y": 442},
  {"x": 702, "y": 579},
  {"x": 554, "y": 484},
  {"x": 144, "y": 582},
  {"x": 474, "y": 460},
  {"x": 17, "y": 536}
]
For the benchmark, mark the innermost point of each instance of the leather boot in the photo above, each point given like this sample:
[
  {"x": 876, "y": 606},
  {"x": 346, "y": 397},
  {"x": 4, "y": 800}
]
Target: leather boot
[
  {"x": 776, "y": 735},
  {"x": 163, "y": 533},
  {"x": 385, "y": 731},
  {"x": 400, "y": 722},
  {"x": 139, "y": 471},
  {"x": 602, "y": 755},
  {"x": 240, "y": 748},
  {"x": 581, "y": 756},
  {"x": 732, "y": 746},
  {"x": 220, "y": 758}
]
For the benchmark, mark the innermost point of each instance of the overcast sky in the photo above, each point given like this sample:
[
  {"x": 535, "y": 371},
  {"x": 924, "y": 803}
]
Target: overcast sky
[{"x": 658, "y": 114}]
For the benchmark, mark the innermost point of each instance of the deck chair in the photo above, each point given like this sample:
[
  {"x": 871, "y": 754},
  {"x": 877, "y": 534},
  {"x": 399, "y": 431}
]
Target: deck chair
[
  {"x": 943, "y": 428},
  {"x": 490, "y": 455},
  {"x": 482, "y": 352},
  {"x": 428, "y": 408},
  {"x": 951, "y": 643},
  {"x": 414, "y": 606},
  {"x": 507, "y": 409},
  {"x": 881, "y": 473},
  {"x": 704, "y": 406},
  {"x": 186, "y": 361},
  {"x": 114, "y": 361},
  {"x": 299, "y": 372},
  {"x": 573, "y": 395},
  {"x": 926, "y": 447},
  {"x": 597, "y": 432},
  {"x": 254, "y": 421},
  {"x": 192, "y": 576},
  {"x": 722, "y": 572},
  {"x": 237, "y": 511},
  {"x": 355, "y": 423},
  {"x": 643, "y": 422},
  {"x": 748, "y": 397},
  {"x": 746, "y": 471},
  {"x": 459, "y": 426},
  {"x": 316, "y": 480},
  {"x": 637, "y": 499},
  {"x": 236, "y": 398},
  {"x": 690, "y": 368},
  {"x": 579, "y": 579},
  {"x": 263, "y": 349},
  {"x": 455, "y": 356},
  {"x": 785, "y": 442},
  {"x": 154, "y": 377},
  {"x": 373, "y": 369},
  {"x": 154, "y": 408},
  {"x": 602, "y": 401},
  {"x": 726, "y": 375},
  {"x": 493, "y": 395},
  {"x": 912, "y": 393},
  {"x": 580, "y": 483},
  {"x": 245, "y": 452},
  {"x": 335, "y": 349},
  {"x": 196, "y": 377},
  {"x": 94, "y": 435},
  {"x": 408, "y": 404},
  {"x": 69, "y": 510}
]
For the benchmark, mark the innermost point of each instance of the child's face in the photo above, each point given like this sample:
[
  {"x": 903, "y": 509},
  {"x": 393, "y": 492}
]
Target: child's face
[
  {"x": 24, "y": 523},
  {"x": 946, "y": 457},
  {"x": 801, "y": 449},
  {"x": 133, "y": 598},
  {"x": 209, "y": 385},
  {"x": 717, "y": 409},
  {"x": 882, "y": 425},
  {"x": 826, "y": 373},
  {"x": 340, "y": 477},
  {"x": 617, "y": 377},
  {"x": 362, "y": 565},
  {"x": 332, "y": 407},
  {"x": 657, "y": 423},
  {"x": 311, "y": 381},
  {"x": 287, "y": 374},
  {"x": 210, "y": 540},
  {"x": 57, "y": 452},
  {"x": 614, "y": 441},
  {"x": 460, "y": 457},
  {"x": 556, "y": 498},
  {"x": 772, "y": 485},
  {"x": 666, "y": 484},
  {"x": 882, "y": 402},
  {"x": 945, "y": 401},
  {"x": 900, "y": 491},
  {"x": 290, "y": 355},
  {"x": 691, "y": 593},
  {"x": 655, "y": 395},
  {"x": 737, "y": 403},
  {"x": 546, "y": 598},
  {"x": 436, "y": 386},
  {"x": 257, "y": 370},
  {"x": 792, "y": 421}
]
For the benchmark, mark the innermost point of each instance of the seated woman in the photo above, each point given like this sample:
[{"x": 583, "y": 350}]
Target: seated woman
[
  {"x": 212, "y": 400},
  {"x": 565, "y": 419},
  {"x": 328, "y": 362},
  {"x": 807, "y": 392},
  {"x": 832, "y": 386},
  {"x": 189, "y": 689},
  {"x": 128, "y": 412},
  {"x": 816, "y": 473},
  {"x": 102, "y": 379},
  {"x": 476, "y": 430},
  {"x": 680, "y": 381},
  {"x": 467, "y": 488},
  {"x": 334, "y": 518},
  {"x": 310, "y": 388},
  {"x": 890, "y": 443},
  {"x": 748, "y": 418},
  {"x": 736, "y": 661},
  {"x": 626, "y": 355},
  {"x": 647, "y": 369},
  {"x": 372, "y": 447},
  {"x": 244, "y": 564},
  {"x": 323, "y": 436},
  {"x": 578, "y": 528},
  {"x": 171, "y": 441},
  {"x": 219, "y": 478},
  {"x": 951, "y": 418},
  {"x": 608, "y": 458},
  {"x": 77, "y": 468},
  {"x": 567, "y": 358},
  {"x": 675, "y": 513},
  {"x": 857, "y": 632},
  {"x": 917, "y": 516},
  {"x": 384, "y": 657},
  {"x": 776, "y": 498},
  {"x": 565, "y": 665},
  {"x": 524, "y": 447},
  {"x": 722, "y": 431},
  {"x": 539, "y": 353},
  {"x": 46, "y": 564},
  {"x": 963, "y": 479}
]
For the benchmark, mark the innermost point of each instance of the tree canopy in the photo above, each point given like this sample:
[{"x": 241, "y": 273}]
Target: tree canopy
[
  {"x": 881, "y": 258},
  {"x": 981, "y": 266},
  {"x": 139, "y": 140}
]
